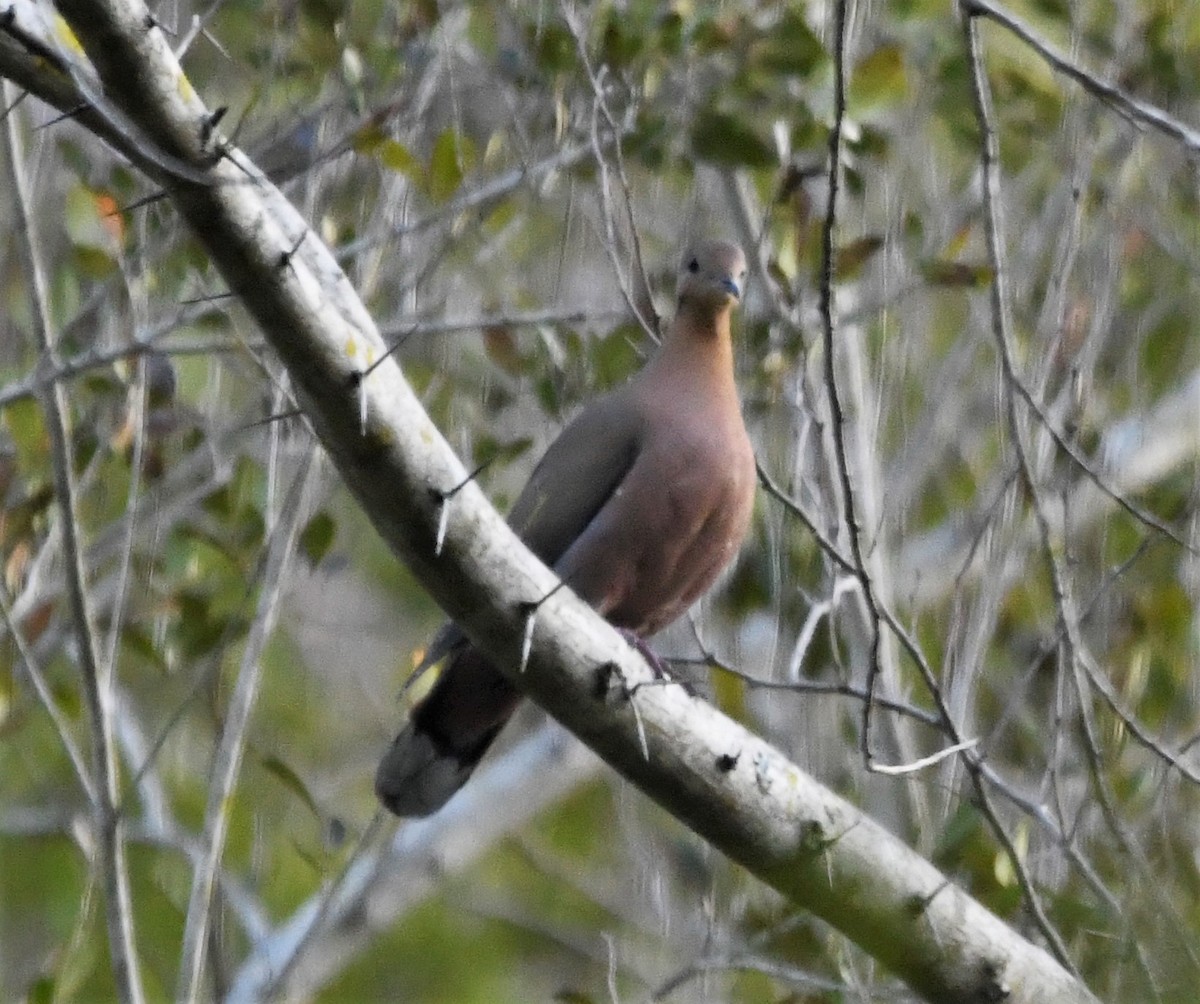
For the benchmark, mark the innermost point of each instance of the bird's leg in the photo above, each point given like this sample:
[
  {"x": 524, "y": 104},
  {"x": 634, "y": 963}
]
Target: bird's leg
[{"x": 657, "y": 664}]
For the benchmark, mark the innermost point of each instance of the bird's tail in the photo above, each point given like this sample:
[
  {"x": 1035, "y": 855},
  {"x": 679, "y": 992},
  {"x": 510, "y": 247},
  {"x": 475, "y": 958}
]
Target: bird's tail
[{"x": 446, "y": 737}]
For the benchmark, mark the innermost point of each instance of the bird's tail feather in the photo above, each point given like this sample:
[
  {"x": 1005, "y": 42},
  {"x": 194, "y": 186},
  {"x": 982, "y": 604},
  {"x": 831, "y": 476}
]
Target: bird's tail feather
[{"x": 446, "y": 737}]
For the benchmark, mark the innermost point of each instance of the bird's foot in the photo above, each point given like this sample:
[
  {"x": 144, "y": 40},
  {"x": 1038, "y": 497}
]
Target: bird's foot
[{"x": 657, "y": 664}]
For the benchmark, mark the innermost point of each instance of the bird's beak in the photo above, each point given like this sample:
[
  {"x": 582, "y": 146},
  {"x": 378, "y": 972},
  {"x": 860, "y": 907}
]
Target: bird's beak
[{"x": 731, "y": 287}]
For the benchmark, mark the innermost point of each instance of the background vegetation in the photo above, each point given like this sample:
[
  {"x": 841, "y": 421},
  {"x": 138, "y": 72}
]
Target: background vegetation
[{"x": 1024, "y": 480}]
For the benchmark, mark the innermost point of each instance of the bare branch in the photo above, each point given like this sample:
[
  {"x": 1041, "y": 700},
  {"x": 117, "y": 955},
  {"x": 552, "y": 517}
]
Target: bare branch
[
  {"x": 41, "y": 687},
  {"x": 1137, "y": 111},
  {"x": 1001, "y": 327},
  {"x": 97, "y": 690},
  {"x": 837, "y": 413},
  {"x": 230, "y": 748}
]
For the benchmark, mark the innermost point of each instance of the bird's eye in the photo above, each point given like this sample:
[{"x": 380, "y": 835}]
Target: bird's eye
[{"x": 693, "y": 266}]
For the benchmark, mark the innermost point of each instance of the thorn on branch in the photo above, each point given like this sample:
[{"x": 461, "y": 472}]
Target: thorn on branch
[
  {"x": 605, "y": 674},
  {"x": 917, "y": 905},
  {"x": 277, "y": 417},
  {"x": 994, "y": 988},
  {"x": 192, "y": 300},
  {"x": 609, "y": 671},
  {"x": 285, "y": 259},
  {"x": 390, "y": 350},
  {"x": 70, "y": 113},
  {"x": 16, "y": 101},
  {"x": 609, "y": 678},
  {"x": 139, "y": 203},
  {"x": 210, "y": 122},
  {"x": 814, "y": 839},
  {"x": 443, "y": 497},
  {"x": 527, "y": 639},
  {"x": 529, "y": 611}
]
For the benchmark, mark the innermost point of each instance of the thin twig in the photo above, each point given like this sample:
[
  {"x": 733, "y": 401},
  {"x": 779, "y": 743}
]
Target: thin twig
[
  {"x": 900, "y": 769},
  {"x": 41, "y": 687},
  {"x": 828, "y": 338},
  {"x": 228, "y": 757},
  {"x": 1137, "y": 111},
  {"x": 97, "y": 691},
  {"x": 94, "y": 359},
  {"x": 1093, "y": 475},
  {"x": 421, "y": 326},
  {"x": 137, "y": 420},
  {"x": 1001, "y": 327},
  {"x": 367, "y": 851},
  {"x": 561, "y": 160},
  {"x": 601, "y": 110},
  {"x": 773, "y": 969},
  {"x": 815, "y": 687},
  {"x": 100, "y": 358},
  {"x": 796, "y": 509}
]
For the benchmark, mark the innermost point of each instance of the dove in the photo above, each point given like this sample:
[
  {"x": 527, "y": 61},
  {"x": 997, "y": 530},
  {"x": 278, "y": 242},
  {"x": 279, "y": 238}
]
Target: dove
[{"x": 638, "y": 505}]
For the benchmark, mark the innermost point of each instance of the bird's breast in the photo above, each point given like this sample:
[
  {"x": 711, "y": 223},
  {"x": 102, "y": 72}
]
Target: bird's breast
[{"x": 690, "y": 527}]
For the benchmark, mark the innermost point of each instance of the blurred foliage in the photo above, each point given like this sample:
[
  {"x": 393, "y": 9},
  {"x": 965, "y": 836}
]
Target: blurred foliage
[{"x": 445, "y": 150}]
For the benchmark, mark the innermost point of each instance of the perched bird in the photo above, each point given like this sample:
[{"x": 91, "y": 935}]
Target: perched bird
[{"x": 638, "y": 505}]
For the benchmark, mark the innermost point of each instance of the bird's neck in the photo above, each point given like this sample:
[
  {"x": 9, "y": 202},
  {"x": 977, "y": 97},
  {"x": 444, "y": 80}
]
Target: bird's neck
[{"x": 698, "y": 348}]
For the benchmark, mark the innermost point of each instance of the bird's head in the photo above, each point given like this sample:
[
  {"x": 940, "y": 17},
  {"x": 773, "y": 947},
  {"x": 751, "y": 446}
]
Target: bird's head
[{"x": 712, "y": 277}]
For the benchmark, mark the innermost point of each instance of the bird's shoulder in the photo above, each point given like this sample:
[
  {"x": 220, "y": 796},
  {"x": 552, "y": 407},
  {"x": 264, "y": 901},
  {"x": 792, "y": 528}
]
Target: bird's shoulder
[
  {"x": 578, "y": 473},
  {"x": 607, "y": 426}
]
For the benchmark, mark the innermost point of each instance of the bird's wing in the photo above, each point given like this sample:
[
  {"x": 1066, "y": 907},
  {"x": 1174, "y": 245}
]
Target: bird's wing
[
  {"x": 569, "y": 486},
  {"x": 577, "y": 476}
]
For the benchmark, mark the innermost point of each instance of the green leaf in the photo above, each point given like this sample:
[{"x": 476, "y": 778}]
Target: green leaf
[
  {"x": 198, "y": 629},
  {"x": 490, "y": 450},
  {"x": 368, "y": 139},
  {"x": 317, "y": 536},
  {"x": 1163, "y": 345},
  {"x": 396, "y": 157},
  {"x": 23, "y": 420},
  {"x": 791, "y": 48},
  {"x": 958, "y": 831},
  {"x": 879, "y": 80},
  {"x": 452, "y": 157},
  {"x": 870, "y": 142},
  {"x": 670, "y": 29},
  {"x": 614, "y": 357},
  {"x": 723, "y": 139},
  {"x": 291, "y": 780},
  {"x": 93, "y": 262},
  {"x": 324, "y": 13},
  {"x": 502, "y": 348},
  {"x": 939, "y": 272},
  {"x": 713, "y": 35},
  {"x": 135, "y": 640},
  {"x": 554, "y": 48},
  {"x": 852, "y": 257},
  {"x": 621, "y": 42},
  {"x": 729, "y": 694},
  {"x": 42, "y": 991}
]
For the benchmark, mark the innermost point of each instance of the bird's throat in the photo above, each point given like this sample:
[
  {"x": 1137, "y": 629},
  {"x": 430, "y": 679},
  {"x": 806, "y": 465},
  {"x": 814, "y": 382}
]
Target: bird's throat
[{"x": 696, "y": 358}]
